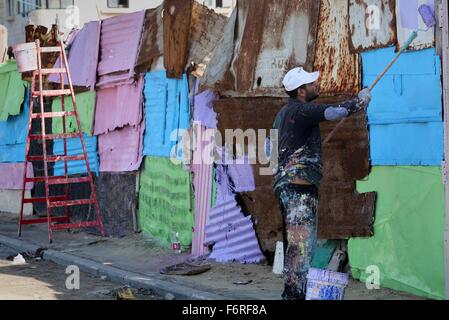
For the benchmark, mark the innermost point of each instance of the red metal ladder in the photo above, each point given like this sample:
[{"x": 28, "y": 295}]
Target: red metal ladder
[{"x": 62, "y": 222}]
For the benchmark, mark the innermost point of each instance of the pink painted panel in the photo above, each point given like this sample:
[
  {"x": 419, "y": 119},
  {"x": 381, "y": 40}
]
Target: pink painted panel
[
  {"x": 121, "y": 150},
  {"x": 118, "y": 107},
  {"x": 12, "y": 176}
]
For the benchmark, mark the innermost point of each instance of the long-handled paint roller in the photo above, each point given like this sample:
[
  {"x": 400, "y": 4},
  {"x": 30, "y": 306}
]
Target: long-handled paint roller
[{"x": 428, "y": 17}]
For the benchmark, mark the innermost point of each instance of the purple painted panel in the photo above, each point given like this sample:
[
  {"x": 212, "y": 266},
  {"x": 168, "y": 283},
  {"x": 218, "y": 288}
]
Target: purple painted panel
[
  {"x": 204, "y": 109},
  {"x": 14, "y": 172},
  {"x": 232, "y": 234},
  {"x": 83, "y": 56},
  {"x": 202, "y": 182},
  {"x": 121, "y": 149},
  {"x": 242, "y": 176},
  {"x": 409, "y": 16},
  {"x": 120, "y": 39},
  {"x": 118, "y": 107}
]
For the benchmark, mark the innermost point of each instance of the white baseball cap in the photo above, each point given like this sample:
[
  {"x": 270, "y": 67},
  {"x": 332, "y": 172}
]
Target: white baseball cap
[{"x": 298, "y": 77}]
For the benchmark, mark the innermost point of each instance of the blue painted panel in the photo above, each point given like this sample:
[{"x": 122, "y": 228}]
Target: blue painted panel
[
  {"x": 167, "y": 112},
  {"x": 415, "y": 144},
  {"x": 13, "y": 153},
  {"x": 405, "y": 114},
  {"x": 74, "y": 148},
  {"x": 14, "y": 130}
]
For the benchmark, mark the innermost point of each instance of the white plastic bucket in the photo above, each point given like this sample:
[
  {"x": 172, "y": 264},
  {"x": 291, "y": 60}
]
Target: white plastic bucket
[
  {"x": 26, "y": 56},
  {"x": 326, "y": 285}
]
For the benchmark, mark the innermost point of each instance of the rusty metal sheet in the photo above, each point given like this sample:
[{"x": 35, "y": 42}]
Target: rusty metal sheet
[
  {"x": 372, "y": 24},
  {"x": 344, "y": 213},
  {"x": 255, "y": 113},
  {"x": 340, "y": 69},
  {"x": 206, "y": 31},
  {"x": 177, "y": 18},
  {"x": 271, "y": 37},
  {"x": 152, "y": 43}
]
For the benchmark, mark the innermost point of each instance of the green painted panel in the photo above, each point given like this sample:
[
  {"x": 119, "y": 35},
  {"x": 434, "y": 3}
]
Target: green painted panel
[
  {"x": 166, "y": 201},
  {"x": 12, "y": 90},
  {"x": 408, "y": 241},
  {"x": 85, "y": 103}
]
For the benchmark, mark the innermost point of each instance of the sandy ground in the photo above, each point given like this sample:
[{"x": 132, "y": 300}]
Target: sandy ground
[{"x": 44, "y": 280}]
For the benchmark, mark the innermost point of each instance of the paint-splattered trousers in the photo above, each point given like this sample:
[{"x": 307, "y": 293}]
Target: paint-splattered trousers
[{"x": 299, "y": 210}]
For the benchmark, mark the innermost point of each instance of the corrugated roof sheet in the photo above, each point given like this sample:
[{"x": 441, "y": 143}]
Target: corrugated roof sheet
[
  {"x": 167, "y": 113},
  {"x": 202, "y": 168},
  {"x": 121, "y": 150},
  {"x": 14, "y": 130},
  {"x": 231, "y": 234},
  {"x": 74, "y": 148},
  {"x": 152, "y": 43},
  {"x": 119, "y": 106},
  {"x": 408, "y": 20},
  {"x": 203, "y": 111},
  {"x": 340, "y": 69},
  {"x": 120, "y": 39},
  {"x": 405, "y": 115},
  {"x": 13, "y": 153},
  {"x": 372, "y": 24},
  {"x": 14, "y": 172},
  {"x": 83, "y": 56},
  {"x": 176, "y": 20},
  {"x": 249, "y": 60}
]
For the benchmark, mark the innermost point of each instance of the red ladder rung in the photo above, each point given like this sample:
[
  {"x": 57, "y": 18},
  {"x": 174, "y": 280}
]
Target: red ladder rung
[
  {"x": 43, "y": 199},
  {"x": 68, "y": 180},
  {"x": 54, "y": 136},
  {"x": 50, "y": 49},
  {"x": 43, "y": 220},
  {"x": 74, "y": 225},
  {"x": 56, "y": 114},
  {"x": 56, "y": 158},
  {"x": 70, "y": 203},
  {"x": 53, "y": 71},
  {"x": 52, "y": 93}
]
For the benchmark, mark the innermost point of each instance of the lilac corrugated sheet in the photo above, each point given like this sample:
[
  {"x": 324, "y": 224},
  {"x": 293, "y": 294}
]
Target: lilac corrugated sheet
[
  {"x": 120, "y": 39},
  {"x": 14, "y": 174},
  {"x": 242, "y": 176},
  {"x": 232, "y": 234},
  {"x": 121, "y": 150},
  {"x": 83, "y": 56},
  {"x": 204, "y": 109},
  {"x": 118, "y": 107},
  {"x": 202, "y": 182}
]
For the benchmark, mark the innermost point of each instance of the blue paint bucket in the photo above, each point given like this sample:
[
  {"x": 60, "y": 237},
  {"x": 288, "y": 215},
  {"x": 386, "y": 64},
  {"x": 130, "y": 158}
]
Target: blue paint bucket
[{"x": 326, "y": 285}]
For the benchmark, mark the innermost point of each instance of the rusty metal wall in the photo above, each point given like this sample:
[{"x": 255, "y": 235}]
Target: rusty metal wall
[
  {"x": 177, "y": 18},
  {"x": 340, "y": 69},
  {"x": 343, "y": 213},
  {"x": 262, "y": 41},
  {"x": 152, "y": 43},
  {"x": 372, "y": 24},
  {"x": 255, "y": 113}
]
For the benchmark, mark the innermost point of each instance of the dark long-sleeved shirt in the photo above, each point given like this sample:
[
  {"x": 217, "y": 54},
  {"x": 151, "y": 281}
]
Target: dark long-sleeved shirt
[{"x": 299, "y": 140}]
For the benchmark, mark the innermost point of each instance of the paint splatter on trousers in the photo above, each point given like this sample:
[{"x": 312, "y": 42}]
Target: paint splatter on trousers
[{"x": 299, "y": 210}]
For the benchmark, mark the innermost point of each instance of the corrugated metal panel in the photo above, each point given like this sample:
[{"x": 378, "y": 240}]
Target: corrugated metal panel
[
  {"x": 258, "y": 60},
  {"x": 232, "y": 234},
  {"x": 13, "y": 153},
  {"x": 83, "y": 56},
  {"x": 202, "y": 181},
  {"x": 176, "y": 20},
  {"x": 74, "y": 148},
  {"x": 408, "y": 20},
  {"x": 167, "y": 113},
  {"x": 12, "y": 90},
  {"x": 152, "y": 44},
  {"x": 205, "y": 34},
  {"x": 405, "y": 114},
  {"x": 118, "y": 107},
  {"x": 372, "y": 24},
  {"x": 121, "y": 150},
  {"x": 245, "y": 113},
  {"x": 120, "y": 39},
  {"x": 203, "y": 111},
  {"x": 343, "y": 212},
  {"x": 340, "y": 69},
  {"x": 14, "y": 172},
  {"x": 14, "y": 131}
]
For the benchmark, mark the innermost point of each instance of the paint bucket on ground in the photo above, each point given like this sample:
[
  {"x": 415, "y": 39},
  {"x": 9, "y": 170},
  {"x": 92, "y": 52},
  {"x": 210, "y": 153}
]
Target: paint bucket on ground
[
  {"x": 326, "y": 285},
  {"x": 26, "y": 56}
]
